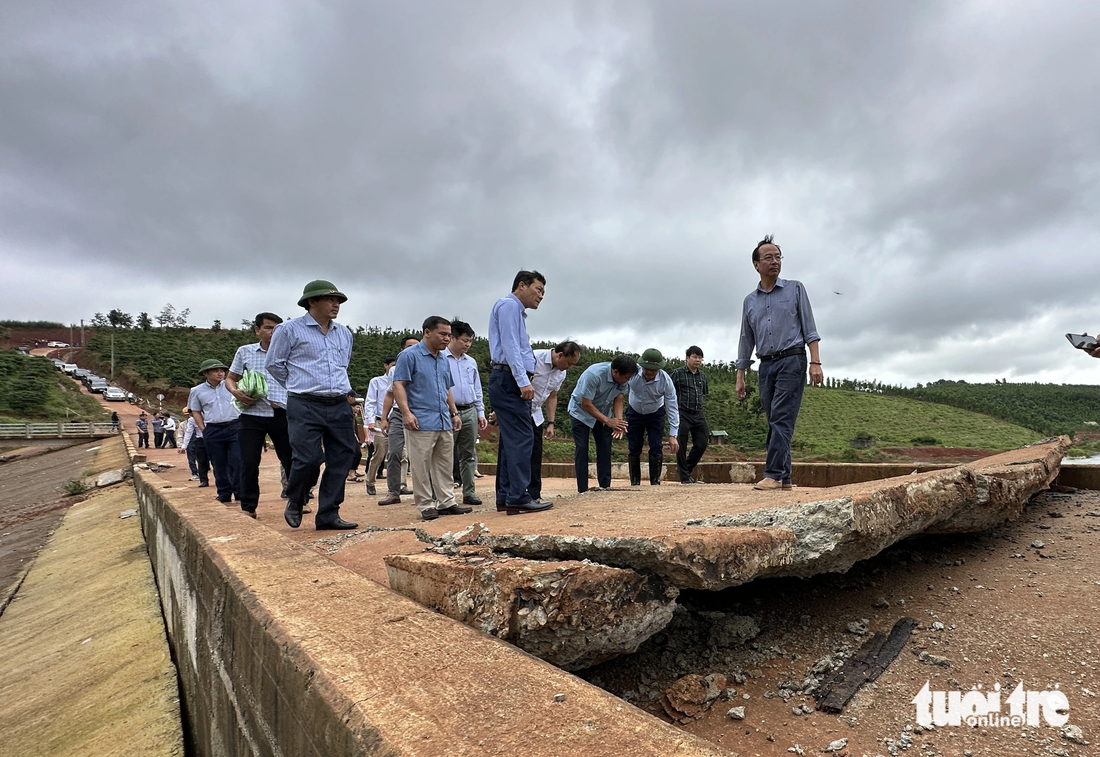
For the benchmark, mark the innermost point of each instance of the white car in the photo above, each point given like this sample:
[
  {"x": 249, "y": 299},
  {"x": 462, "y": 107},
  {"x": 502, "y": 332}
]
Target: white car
[
  {"x": 114, "y": 394},
  {"x": 57, "y": 344}
]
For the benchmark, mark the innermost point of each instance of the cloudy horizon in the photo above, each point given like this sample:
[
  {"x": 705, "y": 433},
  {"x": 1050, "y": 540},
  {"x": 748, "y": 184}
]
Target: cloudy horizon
[{"x": 931, "y": 170}]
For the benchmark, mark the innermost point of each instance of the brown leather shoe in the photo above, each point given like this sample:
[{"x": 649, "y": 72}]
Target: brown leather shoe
[
  {"x": 390, "y": 499},
  {"x": 768, "y": 485},
  {"x": 788, "y": 486},
  {"x": 454, "y": 510}
]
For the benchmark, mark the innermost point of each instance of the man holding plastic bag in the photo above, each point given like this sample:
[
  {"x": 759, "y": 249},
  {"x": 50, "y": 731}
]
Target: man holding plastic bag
[{"x": 262, "y": 403}]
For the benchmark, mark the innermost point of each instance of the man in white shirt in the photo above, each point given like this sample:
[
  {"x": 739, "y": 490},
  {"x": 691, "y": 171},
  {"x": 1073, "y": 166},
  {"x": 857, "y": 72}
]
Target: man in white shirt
[{"x": 550, "y": 368}]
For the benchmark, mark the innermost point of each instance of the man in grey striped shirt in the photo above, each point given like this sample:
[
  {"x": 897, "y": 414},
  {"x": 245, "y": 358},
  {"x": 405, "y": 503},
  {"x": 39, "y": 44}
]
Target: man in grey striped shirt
[{"x": 309, "y": 357}]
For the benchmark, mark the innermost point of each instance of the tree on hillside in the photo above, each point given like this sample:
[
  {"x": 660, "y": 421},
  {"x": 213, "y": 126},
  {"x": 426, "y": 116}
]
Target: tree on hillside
[
  {"x": 216, "y": 326},
  {"x": 167, "y": 316},
  {"x": 120, "y": 319},
  {"x": 181, "y": 318},
  {"x": 100, "y": 321},
  {"x": 144, "y": 322}
]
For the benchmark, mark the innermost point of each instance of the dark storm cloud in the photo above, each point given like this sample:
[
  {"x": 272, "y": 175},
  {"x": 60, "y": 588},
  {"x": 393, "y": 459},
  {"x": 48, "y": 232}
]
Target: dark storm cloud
[{"x": 937, "y": 163}]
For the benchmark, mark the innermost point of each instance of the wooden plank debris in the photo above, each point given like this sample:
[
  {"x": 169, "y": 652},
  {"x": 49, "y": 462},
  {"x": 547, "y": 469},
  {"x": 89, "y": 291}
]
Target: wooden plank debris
[{"x": 865, "y": 665}]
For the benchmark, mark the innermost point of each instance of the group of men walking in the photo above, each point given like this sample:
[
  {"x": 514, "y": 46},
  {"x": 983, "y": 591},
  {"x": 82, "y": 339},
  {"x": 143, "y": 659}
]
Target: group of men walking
[{"x": 428, "y": 405}]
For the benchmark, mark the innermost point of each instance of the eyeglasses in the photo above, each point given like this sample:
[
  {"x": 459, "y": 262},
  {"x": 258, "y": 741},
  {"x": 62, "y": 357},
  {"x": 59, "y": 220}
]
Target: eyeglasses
[{"x": 770, "y": 258}]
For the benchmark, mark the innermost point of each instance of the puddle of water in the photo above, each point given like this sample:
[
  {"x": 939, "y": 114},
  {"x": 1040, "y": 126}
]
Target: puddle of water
[{"x": 1094, "y": 460}]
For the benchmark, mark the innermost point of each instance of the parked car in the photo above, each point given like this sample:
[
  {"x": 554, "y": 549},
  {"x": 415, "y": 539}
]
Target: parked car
[
  {"x": 69, "y": 368},
  {"x": 91, "y": 377},
  {"x": 57, "y": 344},
  {"x": 98, "y": 387},
  {"x": 80, "y": 373},
  {"x": 114, "y": 394},
  {"x": 58, "y": 364}
]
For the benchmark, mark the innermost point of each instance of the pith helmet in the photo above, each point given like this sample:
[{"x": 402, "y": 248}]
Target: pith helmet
[
  {"x": 320, "y": 288},
  {"x": 652, "y": 359},
  {"x": 212, "y": 363}
]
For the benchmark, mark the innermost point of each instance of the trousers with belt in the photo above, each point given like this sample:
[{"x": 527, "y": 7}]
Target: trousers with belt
[
  {"x": 320, "y": 433},
  {"x": 517, "y": 431}
]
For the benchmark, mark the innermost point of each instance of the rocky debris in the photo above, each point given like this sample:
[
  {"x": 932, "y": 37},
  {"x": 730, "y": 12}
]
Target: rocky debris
[
  {"x": 112, "y": 477},
  {"x": 691, "y": 558},
  {"x": 796, "y": 749},
  {"x": 836, "y": 746},
  {"x": 934, "y": 659},
  {"x": 728, "y": 631},
  {"x": 824, "y": 666},
  {"x": 573, "y": 614},
  {"x": 152, "y": 467},
  {"x": 859, "y": 627},
  {"x": 736, "y": 713},
  {"x": 1037, "y": 544},
  {"x": 127, "y": 514},
  {"x": 1074, "y": 733},
  {"x": 690, "y": 697}
]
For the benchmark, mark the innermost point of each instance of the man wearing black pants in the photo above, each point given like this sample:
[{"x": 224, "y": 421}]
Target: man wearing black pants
[
  {"x": 691, "y": 386},
  {"x": 511, "y": 392},
  {"x": 218, "y": 419},
  {"x": 596, "y": 411},
  {"x": 260, "y": 416},
  {"x": 309, "y": 356}
]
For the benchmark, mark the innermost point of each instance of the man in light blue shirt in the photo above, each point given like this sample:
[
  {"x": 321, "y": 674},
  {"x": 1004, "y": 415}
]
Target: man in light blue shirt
[
  {"x": 422, "y": 390},
  {"x": 261, "y": 416},
  {"x": 471, "y": 408},
  {"x": 217, "y": 418},
  {"x": 372, "y": 416},
  {"x": 511, "y": 392},
  {"x": 309, "y": 357},
  {"x": 597, "y": 397},
  {"x": 777, "y": 321},
  {"x": 652, "y": 399}
]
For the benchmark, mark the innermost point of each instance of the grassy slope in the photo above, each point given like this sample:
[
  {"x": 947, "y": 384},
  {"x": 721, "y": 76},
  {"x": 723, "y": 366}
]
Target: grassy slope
[{"x": 832, "y": 417}]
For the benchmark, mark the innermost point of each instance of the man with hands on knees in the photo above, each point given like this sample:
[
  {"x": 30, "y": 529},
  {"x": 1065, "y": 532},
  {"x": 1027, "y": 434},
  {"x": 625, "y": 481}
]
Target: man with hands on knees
[{"x": 596, "y": 410}]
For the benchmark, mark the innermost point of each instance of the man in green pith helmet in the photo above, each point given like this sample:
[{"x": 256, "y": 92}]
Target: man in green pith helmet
[
  {"x": 218, "y": 419},
  {"x": 309, "y": 357},
  {"x": 652, "y": 400}
]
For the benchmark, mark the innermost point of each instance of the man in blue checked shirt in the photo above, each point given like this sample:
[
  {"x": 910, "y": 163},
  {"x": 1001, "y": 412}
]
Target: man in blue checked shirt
[
  {"x": 596, "y": 410},
  {"x": 652, "y": 400},
  {"x": 422, "y": 390},
  {"x": 511, "y": 392},
  {"x": 309, "y": 357},
  {"x": 262, "y": 417},
  {"x": 777, "y": 321}
]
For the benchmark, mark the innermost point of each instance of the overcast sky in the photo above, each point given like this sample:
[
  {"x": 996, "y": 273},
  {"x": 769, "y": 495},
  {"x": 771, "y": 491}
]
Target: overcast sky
[{"x": 930, "y": 169}]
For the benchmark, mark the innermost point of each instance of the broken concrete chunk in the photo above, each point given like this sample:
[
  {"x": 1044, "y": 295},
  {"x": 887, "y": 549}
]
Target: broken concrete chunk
[
  {"x": 736, "y": 713},
  {"x": 836, "y": 746},
  {"x": 110, "y": 478},
  {"x": 690, "y": 697},
  {"x": 571, "y": 614},
  {"x": 934, "y": 659}
]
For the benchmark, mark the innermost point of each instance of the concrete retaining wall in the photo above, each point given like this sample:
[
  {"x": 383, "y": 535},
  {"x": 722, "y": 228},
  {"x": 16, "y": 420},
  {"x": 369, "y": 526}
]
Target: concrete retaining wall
[{"x": 283, "y": 652}]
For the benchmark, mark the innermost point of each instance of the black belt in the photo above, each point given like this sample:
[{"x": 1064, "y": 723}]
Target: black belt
[
  {"x": 798, "y": 349},
  {"x": 506, "y": 367},
  {"x": 321, "y": 399},
  {"x": 220, "y": 423},
  {"x": 464, "y": 407}
]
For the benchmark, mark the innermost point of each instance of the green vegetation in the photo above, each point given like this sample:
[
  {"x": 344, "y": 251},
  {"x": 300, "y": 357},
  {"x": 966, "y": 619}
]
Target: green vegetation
[
  {"x": 31, "y": 389},
  {"x": 832, "y": 419},
  {"x": 74, "y": 486},
  {"x": 33, "y": 324},
  {"x": 1046, "y": 408}
]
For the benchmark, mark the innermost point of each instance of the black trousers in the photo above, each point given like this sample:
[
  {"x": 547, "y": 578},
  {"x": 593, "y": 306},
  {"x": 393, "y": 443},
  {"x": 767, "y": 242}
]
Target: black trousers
[
  {"x": 693, "y": 425},
  {"x": 253, "y": 430},
  {"x": 202, "y": 460},
  {"x": 535, "y": 487},
  {"x": 320, "y": 434}
]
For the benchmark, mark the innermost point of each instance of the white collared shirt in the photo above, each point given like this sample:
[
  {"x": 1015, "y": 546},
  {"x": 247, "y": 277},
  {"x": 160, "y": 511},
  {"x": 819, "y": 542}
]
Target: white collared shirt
[{"x": 547, "y": 379}]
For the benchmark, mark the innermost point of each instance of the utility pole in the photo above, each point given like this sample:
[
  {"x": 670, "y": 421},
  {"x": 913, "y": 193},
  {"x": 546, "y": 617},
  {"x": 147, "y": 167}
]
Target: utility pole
[
  {"x": 112, "y": 356},
  {"x": 82, "y": 342},
  {"x": 70, "y": 342}
]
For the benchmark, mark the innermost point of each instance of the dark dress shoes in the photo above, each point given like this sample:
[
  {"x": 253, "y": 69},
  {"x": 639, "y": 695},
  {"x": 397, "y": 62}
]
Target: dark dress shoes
[
  {"x": 501, "y": 507},
  {"x": 475, "y": 501},
  {"x": 337, "y": 525},
  {"x": 390, "y": 499},
  {"x": 534, "y": 506},
  {"x": 293, "y": 515},
  {"x": 430, "y": 514},
  {"x": 455, "y": 510}
]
